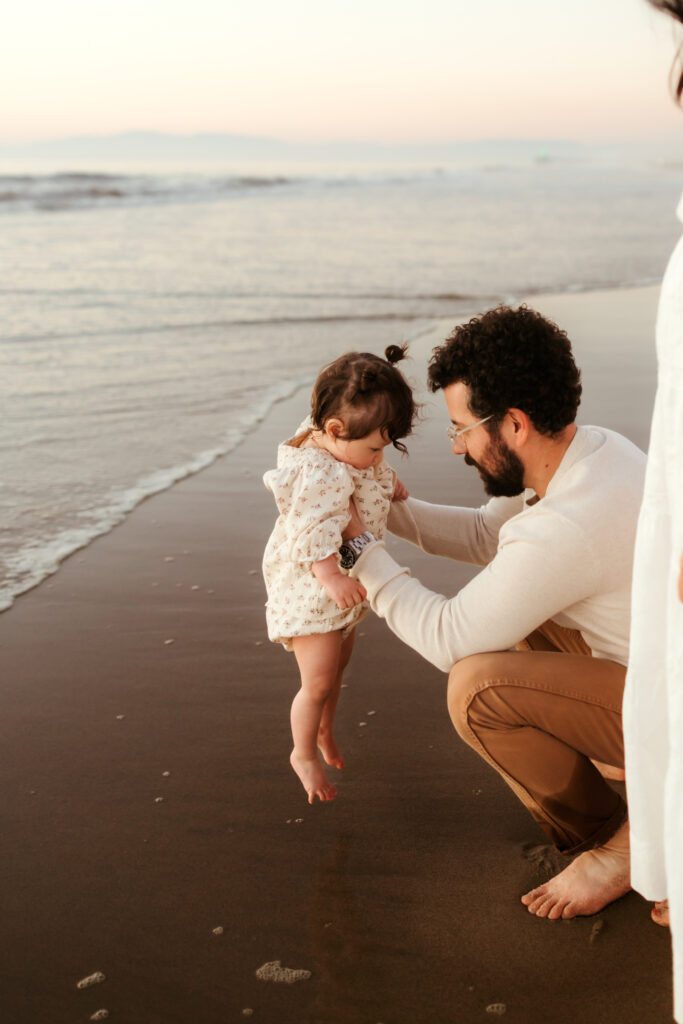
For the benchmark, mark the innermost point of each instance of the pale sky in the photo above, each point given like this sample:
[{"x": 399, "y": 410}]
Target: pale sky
[{"x": 385, "y": 70}]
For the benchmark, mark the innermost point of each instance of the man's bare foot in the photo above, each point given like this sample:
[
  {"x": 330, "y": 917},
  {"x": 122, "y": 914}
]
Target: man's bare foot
[
  {"x": 660, "y": 913},
  {"x": 312, "y": 778},
  {"x": 610, "y": 771},
  {"x": 589, "y": 883},
  {"x": 329, "y": 749}
]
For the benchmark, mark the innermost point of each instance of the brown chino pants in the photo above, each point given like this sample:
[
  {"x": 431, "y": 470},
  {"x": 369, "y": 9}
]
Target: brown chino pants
[{"x": 538, "y": 714}]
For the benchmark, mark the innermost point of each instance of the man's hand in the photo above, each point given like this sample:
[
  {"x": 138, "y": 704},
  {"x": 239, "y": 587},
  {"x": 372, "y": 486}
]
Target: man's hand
[
  {"x": 344, "y": 591},
  {"x": 400, "y": 492}
]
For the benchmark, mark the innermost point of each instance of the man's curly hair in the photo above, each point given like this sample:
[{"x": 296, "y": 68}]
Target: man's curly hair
[{"x": 512, "y": 359}]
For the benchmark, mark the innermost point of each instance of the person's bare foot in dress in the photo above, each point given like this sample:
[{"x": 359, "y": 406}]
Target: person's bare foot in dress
[
  {"x": 313, "y": 779},
  {"x": 660, "y": 913},
  {"x": 594, "y": 879}
]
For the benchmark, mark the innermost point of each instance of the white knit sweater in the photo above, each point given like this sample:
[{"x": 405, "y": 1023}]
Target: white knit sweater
[{"x": 567, "y": 557}]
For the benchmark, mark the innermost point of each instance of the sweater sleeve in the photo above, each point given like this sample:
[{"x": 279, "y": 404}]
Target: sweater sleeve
[
  {"x": 540, "y": 569},
  {"x": 465, "y": 534}
]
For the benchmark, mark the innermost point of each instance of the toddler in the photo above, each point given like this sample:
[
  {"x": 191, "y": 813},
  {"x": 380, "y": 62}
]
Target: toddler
[{"x": 360, "y": 404}]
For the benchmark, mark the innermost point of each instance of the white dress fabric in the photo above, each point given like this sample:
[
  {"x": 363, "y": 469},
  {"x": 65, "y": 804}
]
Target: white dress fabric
[
  {"x": 312, "y": 491},
  {"x": 653, "y": 701}
]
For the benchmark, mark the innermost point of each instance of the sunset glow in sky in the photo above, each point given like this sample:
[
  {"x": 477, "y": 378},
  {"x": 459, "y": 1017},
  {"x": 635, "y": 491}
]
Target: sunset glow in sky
[{"x": 400, "y": 71}]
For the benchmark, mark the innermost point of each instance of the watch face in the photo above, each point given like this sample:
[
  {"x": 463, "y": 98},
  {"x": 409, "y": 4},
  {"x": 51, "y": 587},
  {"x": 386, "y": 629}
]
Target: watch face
[{"x": 346, "y": 557}]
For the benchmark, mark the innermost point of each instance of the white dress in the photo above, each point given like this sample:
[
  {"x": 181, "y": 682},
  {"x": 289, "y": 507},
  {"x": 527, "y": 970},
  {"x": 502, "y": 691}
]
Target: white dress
[
  {"x": 653, "y": 700},
  {"x": 312, "y": 491}
]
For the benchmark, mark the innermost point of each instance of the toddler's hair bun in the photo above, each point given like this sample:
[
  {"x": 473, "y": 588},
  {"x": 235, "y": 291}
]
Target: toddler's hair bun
[{"x": 395, "y": 353}]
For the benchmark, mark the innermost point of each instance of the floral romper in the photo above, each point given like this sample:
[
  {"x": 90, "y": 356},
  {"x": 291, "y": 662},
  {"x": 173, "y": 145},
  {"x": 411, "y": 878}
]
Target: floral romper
[{"x": 312, "y": 491}]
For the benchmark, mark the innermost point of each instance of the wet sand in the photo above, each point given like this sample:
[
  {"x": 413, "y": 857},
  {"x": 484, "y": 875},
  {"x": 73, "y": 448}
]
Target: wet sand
[{"x": 154, "y": 831}]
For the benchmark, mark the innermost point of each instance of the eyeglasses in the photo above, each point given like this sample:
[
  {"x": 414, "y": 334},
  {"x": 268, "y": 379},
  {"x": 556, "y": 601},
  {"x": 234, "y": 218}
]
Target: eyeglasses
[{"x": 455, "y": 433}]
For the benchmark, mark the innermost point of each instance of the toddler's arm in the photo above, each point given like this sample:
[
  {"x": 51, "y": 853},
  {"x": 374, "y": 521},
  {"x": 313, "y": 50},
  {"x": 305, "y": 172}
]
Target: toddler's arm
[{"x": 344, "y": 591}]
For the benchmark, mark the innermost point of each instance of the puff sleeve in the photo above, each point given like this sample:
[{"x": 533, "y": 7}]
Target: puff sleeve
[{"x": 313, "y": 500}]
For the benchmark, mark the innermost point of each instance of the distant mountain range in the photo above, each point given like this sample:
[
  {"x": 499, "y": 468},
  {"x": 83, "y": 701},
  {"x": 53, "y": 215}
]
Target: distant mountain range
[
  {"x": 215, "y": 146},
  {"x": 206, "y": 146}
]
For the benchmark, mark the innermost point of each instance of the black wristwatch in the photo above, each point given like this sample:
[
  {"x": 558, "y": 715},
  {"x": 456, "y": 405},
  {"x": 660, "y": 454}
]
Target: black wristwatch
[{"x": 350, "y": 552}]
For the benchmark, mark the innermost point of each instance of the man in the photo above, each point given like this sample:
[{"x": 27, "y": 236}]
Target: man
[{"x": 556, "y": 540}]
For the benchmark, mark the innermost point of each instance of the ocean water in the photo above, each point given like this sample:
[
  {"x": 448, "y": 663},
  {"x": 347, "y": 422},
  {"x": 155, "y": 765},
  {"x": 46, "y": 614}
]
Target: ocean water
[{"x": 151, "y": 319}]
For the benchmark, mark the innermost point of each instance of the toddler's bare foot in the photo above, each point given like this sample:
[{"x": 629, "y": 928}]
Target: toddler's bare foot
[
  {"x": 660, "y": 913},
  {"x": 588, "y": 884},
  {"x": 329, "y": 749},
  {"x": 610, "y": 771},
  {"x": 312, "y": 778}
]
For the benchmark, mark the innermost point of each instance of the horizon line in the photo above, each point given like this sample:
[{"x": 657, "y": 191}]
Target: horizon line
[{"x": 330, "y": 142}]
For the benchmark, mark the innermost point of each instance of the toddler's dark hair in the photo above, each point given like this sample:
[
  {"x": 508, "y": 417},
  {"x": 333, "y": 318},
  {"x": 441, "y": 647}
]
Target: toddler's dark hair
[{"x": 367, "y": 393}]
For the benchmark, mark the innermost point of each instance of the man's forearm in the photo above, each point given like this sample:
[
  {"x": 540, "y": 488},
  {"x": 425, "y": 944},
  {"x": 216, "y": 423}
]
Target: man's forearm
[{"x": 501, "y": 605}]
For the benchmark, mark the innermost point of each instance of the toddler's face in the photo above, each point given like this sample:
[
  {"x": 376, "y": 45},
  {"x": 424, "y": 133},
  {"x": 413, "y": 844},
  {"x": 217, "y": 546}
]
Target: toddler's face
[{"x": 362, "y": 453}]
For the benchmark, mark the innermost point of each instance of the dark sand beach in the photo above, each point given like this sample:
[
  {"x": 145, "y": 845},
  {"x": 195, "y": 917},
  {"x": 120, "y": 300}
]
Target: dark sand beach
[{"x": 147, "y": 799}]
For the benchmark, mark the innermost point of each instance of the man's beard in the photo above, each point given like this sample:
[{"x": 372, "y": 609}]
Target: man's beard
[{"x": 506, "y": 478}]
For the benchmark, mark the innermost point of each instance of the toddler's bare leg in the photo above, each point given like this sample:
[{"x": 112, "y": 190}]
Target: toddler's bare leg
[
  {"x": 326, "y": 741},
  {"x": 318, "y": 658}
]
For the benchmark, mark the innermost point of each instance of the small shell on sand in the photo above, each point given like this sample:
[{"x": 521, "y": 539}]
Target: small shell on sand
[
  {"x": 171, "y": 640},
  {"x": 194, "y": 587},
  {"x": 120, "y": 718},
  {"x": 169, "y": 558},
  {"x": 247, "y": 1011},
  {"x": 218, "y": 931},
  {"x": 158, "y": 799},
  {"x": 92, "y": 979},
  {"x": 274, "y": 971},
  {"x": 166, "y": 774},
  {"x": 253, "y": 572},
  {"x": 362, "y": 723},
  {"x": 496, "y": 1008},
  {"x": 258, "y": 643},
  {"x": 100, "y": 1015},
  {"x": 368, "y": 713}
]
